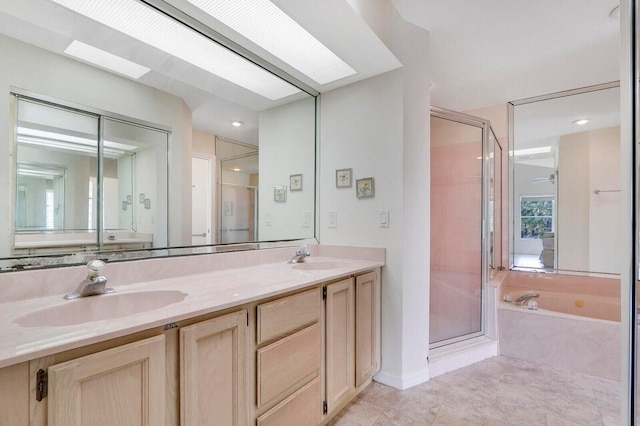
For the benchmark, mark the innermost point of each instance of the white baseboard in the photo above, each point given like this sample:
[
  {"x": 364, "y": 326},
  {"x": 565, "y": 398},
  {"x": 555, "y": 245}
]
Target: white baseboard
[
  {"x": 402, "y": 382},
  {"x": 462, "y": 354}
]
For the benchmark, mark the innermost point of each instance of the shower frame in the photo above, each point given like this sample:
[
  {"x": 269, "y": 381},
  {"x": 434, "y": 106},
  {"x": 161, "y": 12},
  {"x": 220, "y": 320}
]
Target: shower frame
[{"x": 485, "y": 126}]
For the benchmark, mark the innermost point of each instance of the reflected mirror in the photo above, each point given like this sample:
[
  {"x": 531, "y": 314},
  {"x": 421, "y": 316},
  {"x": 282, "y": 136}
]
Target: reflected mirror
[
  {"x": 566, "y": 181},
  {"x": 132, "y": 158}
]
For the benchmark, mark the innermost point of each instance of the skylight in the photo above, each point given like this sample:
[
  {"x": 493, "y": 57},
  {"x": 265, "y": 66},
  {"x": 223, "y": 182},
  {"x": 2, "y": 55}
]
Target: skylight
[
  {"x": 103, "y": 59},
  {"x": 266, "y": 25},
  {"x": 161, "y": 32}
]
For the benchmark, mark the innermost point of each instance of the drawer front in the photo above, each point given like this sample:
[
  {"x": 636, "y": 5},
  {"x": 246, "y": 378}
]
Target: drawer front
[
  {"x": 285, "y": 365},
  {"x": 303, "y": 408},
  {"x": 282, "y": 316}
]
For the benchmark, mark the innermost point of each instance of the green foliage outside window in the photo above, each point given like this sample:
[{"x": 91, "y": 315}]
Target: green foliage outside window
[{"x": 536, "y": 217}]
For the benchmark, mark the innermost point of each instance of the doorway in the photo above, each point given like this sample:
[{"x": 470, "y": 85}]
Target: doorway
[{"x": 200, "y": 201}]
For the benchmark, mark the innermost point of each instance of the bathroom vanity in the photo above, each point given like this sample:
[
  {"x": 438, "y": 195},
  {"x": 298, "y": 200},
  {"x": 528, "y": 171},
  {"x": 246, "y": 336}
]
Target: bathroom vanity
[{"x": 270, "y": 344}]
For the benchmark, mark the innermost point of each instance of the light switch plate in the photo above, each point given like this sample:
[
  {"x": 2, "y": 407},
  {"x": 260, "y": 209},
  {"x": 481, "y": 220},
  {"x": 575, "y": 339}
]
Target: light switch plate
[
  {"x": 384, "y": 218},
  {"x": 333, "y": 219}
]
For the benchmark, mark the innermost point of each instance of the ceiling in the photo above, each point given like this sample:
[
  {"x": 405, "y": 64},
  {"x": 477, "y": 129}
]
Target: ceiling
[
  {"x": 482, "y": 53},
  {"x": 490, "y": 52},
  {"x": 214, "y": 102}
]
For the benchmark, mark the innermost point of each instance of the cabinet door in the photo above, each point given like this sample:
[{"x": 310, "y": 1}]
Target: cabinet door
[
  {"x": 366, "y": 327},
  {"x": 340, "y": 342},
  {"x": 119, "y": 386},
  {"x": 213, "y": 360}
]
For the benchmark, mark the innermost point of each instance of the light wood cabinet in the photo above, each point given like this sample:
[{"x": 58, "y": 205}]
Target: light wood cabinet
[
  {"x": 213, "y": 360},
  {"x": 367, "y": 327},
  {"x": 340, "y": 329},
  {"x": 288, "y": 369},
  {"x": 295, "y": 410},
  {"x": 352, "y": 337},
  {"x": 119, "y": 386},
  {"x": 308, "y": 356},
  {"x": 14, "y": 395}
]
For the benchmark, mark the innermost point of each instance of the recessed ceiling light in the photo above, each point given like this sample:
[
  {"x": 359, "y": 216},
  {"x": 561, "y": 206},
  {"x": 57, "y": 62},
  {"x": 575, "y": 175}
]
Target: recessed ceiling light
[
  {"x": 581, "y": 122},
  {"x": 150, "y": 27},
  {"x": 236, "y": 169},
  {"x": 107, "y": 60},
  {"x": 266, "y": 25},
  {"x": 237, "y": 123}
]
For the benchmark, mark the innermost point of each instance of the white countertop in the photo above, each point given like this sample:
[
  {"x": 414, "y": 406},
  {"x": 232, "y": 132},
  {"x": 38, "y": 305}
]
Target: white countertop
[{"x": 204, "y": 293}]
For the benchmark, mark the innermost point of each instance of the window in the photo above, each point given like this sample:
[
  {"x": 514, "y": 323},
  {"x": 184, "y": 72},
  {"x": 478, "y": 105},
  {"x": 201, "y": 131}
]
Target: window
[{"x": 536, "y": 216}]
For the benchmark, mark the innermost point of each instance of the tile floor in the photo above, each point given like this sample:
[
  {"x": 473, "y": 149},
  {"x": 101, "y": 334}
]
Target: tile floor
[{"x": 496, "y": 391}]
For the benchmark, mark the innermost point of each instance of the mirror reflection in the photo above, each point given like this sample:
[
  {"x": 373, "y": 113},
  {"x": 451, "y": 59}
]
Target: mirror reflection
[
  {"x": 566, "y": 153},
  {"x": 128, "y": 162},
  {"x": 238, "y": 189},
  {"x": 78, "y": 175}
]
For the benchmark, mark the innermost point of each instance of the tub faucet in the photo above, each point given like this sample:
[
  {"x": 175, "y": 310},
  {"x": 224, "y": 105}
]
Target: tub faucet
[
  {"x": 300, "y": 255},
  {"x": 520, "y": 301},
  {"x": 94, "y": 284}
]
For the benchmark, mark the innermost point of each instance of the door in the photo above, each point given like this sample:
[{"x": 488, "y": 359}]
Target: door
[
  {"x": 340, "y": 329},
  {"x": 458, "y": 252},
  {"x": 366, "y": 333},
  {"x": 119, "y": 386},
  {"x": 213, "y": 362},
  {"x": 200, "y": 201}
]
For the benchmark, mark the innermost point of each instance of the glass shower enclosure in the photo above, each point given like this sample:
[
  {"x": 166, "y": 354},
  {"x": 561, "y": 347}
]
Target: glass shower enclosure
[{"x": 461, "y": 238}]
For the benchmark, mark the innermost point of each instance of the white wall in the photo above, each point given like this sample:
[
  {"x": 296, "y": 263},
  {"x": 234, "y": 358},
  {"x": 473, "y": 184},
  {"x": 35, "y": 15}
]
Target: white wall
[
  {"x": 48, "y": 74},
  {"x": 286, "y": 148},
  {"x": 589, "y": 161},
  {"x": 379, "y": 127},
  {"x": 605, "y": 229}
]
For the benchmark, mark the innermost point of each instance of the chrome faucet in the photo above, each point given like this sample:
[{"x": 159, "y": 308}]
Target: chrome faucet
[
  {"x": 300, "y": 255},
  {"x": 94, "y": 284},
  {"x": 520, "y": 301}
]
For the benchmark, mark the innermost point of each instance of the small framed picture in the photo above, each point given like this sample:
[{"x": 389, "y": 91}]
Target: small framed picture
[
  {"x": 365, "y": 188},
  {"x": 124, "y": 205},
  {"x": 343, "y": 178},
  {"x": 280, "y": 193},
  {"x": 141, "y": 198},
  {"x": 295, "y": 182},
  {"x": 147, "y": 203},
  {"x": 129, "y": 199}
]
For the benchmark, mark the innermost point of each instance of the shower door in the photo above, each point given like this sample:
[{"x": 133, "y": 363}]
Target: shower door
[{"x": 459, "y": 158}]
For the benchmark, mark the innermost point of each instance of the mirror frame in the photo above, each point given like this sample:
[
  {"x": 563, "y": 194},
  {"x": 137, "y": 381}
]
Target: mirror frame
[
  {"x": 512, "y": 194},
  {"x": 62, "y": 259}
]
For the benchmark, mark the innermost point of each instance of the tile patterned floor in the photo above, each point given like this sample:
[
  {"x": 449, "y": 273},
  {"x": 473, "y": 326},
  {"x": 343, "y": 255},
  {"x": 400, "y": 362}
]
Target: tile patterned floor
[{"x": 496, "y": 391}]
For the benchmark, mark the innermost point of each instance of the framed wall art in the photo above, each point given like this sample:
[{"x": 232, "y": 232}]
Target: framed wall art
[
  {"x": 365, "y": 187},
  {"x": 280, "y": 193},
  {"x": 295, "y": 182},
  {"x": 343, "y": 178}
]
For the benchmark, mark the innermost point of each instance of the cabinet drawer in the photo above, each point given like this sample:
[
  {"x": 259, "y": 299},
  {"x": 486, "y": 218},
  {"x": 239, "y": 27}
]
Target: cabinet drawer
[
  {"x": 303, "y": 408},
  {"x": 285, "y": 365},
  {"x": 282, "y": 316}
]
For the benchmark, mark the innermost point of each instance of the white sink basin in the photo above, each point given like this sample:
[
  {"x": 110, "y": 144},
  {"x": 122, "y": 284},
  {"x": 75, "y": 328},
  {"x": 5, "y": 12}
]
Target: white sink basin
[
  {"x": 319, "y": 265},
  {"x": 103, "y": 307}
]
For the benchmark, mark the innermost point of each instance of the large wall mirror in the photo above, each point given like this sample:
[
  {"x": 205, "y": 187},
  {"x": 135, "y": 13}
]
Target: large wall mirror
[
  {"x": 120, "y": 136},
  {"x": 566, "y": 182}
]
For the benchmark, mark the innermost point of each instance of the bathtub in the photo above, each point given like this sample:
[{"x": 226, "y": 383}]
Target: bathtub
[{"x": 576, "y": 326}]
